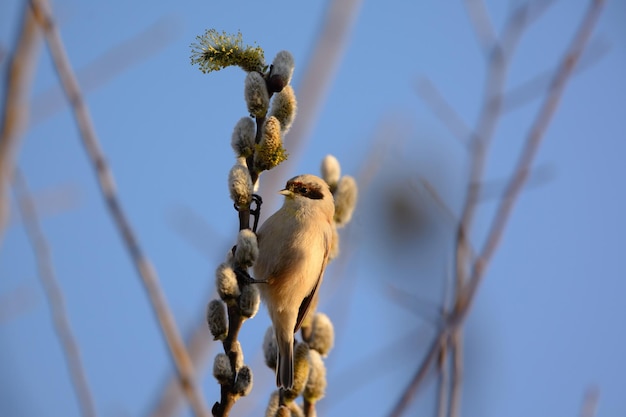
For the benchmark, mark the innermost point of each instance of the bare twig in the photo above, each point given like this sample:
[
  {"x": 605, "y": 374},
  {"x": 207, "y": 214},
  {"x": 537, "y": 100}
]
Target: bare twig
[
  {"x": 481, "y": 23},
  {"x": 537, "y": 85},
  {"x": 443, "y": 110},
  {"x": 178, "y": 352},
  {"x": 21, "y": 66},
  {"x": 466, "y": 293},
  {"x": 457, "y": 373},
  {"x": 54, "y": 295},
  {"x": 444, "y": 382}
]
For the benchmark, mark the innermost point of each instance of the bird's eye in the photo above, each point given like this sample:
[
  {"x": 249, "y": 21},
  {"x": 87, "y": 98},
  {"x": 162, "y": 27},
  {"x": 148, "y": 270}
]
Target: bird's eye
[{"x": 302, "y": 190}]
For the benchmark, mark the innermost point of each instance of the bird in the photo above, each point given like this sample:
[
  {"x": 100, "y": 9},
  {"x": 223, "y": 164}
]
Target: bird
[{"x": 294, "y": 246}]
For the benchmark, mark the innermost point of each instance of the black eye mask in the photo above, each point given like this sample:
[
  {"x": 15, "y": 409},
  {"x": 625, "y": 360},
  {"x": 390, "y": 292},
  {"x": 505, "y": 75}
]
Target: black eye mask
[{"x": 306, "y": 190}]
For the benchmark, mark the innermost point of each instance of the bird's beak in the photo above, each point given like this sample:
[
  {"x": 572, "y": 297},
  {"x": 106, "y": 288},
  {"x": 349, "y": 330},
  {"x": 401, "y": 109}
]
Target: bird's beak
[{"x": 285, "y": 192}]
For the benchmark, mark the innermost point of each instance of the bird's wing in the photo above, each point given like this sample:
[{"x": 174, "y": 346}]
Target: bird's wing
[{"x": 311, "y": 299}]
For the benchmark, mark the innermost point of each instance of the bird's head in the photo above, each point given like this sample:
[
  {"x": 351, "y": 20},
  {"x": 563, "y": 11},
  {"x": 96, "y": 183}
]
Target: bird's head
[{"x": 309, "y": 191}]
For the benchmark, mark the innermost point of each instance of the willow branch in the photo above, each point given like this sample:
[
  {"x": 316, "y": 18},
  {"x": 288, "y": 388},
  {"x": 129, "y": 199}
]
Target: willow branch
[
  {"x": 320, "y": 70},
  {"x": 532, "y": 142},
  {"x": 178, "y": 352},
  {"x": 538, "y": 128},
  {"x": 20, "y": 70},
  {"x": 457, "y": 373},
  {"x": 53, "y": 293}
]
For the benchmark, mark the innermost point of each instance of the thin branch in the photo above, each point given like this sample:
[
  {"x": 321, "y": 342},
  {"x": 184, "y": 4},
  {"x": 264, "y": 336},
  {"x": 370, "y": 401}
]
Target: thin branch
[
  {"x": 590, "y": 402},
  {"x": 481, "y": 23},
  {"x": 444, "y": 383},
  {"x": 20, "y": 70},
  {"x": 443, "y": 110},
  {"x": 457, "y": 373},
  {"x": 53, "y": 293},
  {"x": 536, "y": 86},
  {"x": 178, "y": 352}
]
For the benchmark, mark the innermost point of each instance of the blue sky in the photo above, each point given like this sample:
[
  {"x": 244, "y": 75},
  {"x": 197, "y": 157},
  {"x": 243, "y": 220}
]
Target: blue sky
[{"x": 548, "y": 320}]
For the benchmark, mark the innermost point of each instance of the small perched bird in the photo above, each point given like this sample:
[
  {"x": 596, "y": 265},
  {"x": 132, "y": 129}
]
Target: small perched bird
[{"x": 294, "y": 244}]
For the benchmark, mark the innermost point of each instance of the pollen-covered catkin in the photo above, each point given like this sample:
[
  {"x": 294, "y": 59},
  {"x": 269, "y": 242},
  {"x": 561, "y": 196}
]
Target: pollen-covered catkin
[
  {"x": 300, "y": 371},
  {"x": 284, "y": 107},
  {"x": 270, "y": 151},
  {"x": 316, "y": 384},
  {"x": 240, "y": 185},
  {"x": 249, "y": 300},
  {"x": 345, "y": 200},
  {"x": 273, "y": 405},
  {"x": 221, "y": 369},
  {"x": 247, "y": 248},
  {"x": 281, "y": 72},
  {"x": 243, "y": 383},
  {"x": 270, "y": 349},
  {"x": 322, "y": 335},
  {"x": 331, "y": 171},
  {"x": 256, "y": 95},
  {"x": 226, "y": 283},
  {"x": 216, "y": 319},
  {"x": 242, "y": 140}
]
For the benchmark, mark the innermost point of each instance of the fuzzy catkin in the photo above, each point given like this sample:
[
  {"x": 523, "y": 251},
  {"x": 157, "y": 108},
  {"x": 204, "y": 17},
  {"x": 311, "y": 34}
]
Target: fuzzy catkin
[
  {"x": 216, "y": 319},
  {"x": 284, "y": 107},
  {"x": 270, "y": 348},
  {"x": 221, "y": 369},
  {"x": 281, "y": 72},
  {"x": 243, "y": 383},
  {"x": 247, "y": 248},
  {"x": 270, "y": 151},
  {"x": 240, "y": 185},
  {"x": 345, "y": 200},
  {"x": 300, "y": 371},
  {"x": 249, "y": 300},
  {"x": 316, "y": 384},
  {"x": 322, "y": 336},
  {"x": 256, "y": 95},
  {"x": 226, "y": 283},
  {"x": 242, "y": 140},
  {"x": 331, "y": 171}
]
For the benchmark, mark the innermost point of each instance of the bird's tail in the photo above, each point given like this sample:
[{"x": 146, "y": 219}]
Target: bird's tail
[{"x": 284, "y": 373}]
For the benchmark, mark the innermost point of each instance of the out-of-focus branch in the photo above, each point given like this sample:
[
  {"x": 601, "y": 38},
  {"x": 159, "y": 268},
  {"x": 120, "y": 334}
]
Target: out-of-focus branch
[
  {"x": 18, "y": 80},
  {"x": 533, "y": 140},
  {"x": 457, "y": 373},
  {"x": 442, "y": 109},
  {"x": 110, "y": 64},
  {"x": 178, "y": 352},
  {"x": 467, "y": 290},
  {"x": 444, "y": 382},
  {"x": 481, "y": 23},
  {"x": 590, "y": 402},
  {"x": 54, "y": 295}
]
